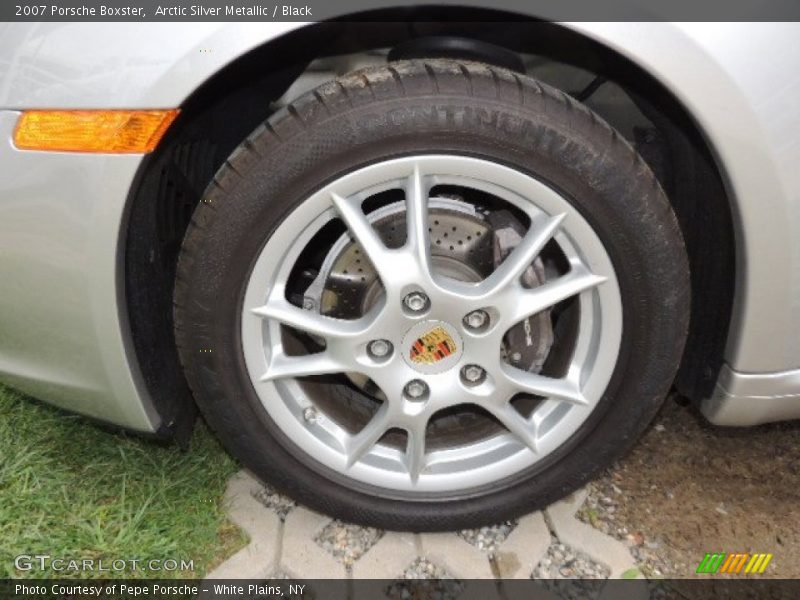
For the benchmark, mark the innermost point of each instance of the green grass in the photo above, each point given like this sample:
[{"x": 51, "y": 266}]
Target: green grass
[{"x": 71, "y": 489}]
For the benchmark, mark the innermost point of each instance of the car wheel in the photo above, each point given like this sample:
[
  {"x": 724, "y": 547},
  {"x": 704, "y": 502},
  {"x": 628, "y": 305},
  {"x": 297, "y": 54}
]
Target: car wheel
[{"x": 431, "y": 295}]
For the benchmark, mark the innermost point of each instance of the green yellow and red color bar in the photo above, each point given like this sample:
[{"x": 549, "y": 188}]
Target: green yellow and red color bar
[{"x": 734, "y": 563}]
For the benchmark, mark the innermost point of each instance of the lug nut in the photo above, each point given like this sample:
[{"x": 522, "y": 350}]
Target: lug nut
[
  {"x": 310, "y": 415},
  {"x": 473, "y": 373},
  {"x": 476, "y": 319},
  {"x": 416, "y": 301},
  {"x": 379, "y": 348},
  {"x": 309, "y": 304},
  {"x": 416, "y": 389}
]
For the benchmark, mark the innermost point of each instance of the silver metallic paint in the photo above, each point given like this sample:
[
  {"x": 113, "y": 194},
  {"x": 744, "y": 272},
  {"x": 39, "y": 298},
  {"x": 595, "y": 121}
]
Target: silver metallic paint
[
  {"x": 60, "y": 214},
  {"x": 61, "y": 333},
  {"x": 753, "y": 398}
]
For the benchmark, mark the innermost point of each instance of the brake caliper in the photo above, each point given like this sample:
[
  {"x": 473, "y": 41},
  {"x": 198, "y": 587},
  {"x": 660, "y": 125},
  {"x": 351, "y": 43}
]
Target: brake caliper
[{"x": 528, "y": 343}]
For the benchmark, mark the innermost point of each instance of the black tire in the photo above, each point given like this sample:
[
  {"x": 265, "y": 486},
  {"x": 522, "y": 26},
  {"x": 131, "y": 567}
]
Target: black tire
[{"x": 436, "y": 106}]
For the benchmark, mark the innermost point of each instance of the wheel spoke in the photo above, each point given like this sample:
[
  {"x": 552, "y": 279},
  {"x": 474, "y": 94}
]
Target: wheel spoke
[
  {"x": 418, "y": 238},
  {"x": 290, "y": 315},
  {"x": 282, "y": 366},
  {"x": 564, "y": 390},
  {"x": 524, "y": 429},
  {"x": 514, "y": 265},
  {"x": 363, "y": 232},
  {"x": 534, "y": 300},
  {"x": 415, "y": 453},
  {"x": 359, "y": 445},
  {"x": 401, "y": 294}
]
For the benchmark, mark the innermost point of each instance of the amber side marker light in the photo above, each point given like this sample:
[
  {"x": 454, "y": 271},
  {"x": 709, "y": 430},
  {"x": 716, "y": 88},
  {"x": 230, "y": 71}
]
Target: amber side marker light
[{"x": 102, "y": 131}]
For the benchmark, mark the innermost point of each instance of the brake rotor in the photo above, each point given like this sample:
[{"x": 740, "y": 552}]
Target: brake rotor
[
  {"x": 461, "y": 248},
  {"x": 467, "y": 245}
]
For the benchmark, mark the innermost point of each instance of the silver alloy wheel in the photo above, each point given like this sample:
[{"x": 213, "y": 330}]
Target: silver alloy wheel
[{"x": 361, "y": 456}]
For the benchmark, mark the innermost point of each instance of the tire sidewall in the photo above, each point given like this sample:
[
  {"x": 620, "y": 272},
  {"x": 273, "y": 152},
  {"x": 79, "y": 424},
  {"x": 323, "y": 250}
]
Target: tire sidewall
[{"x": 578, "y": 156}]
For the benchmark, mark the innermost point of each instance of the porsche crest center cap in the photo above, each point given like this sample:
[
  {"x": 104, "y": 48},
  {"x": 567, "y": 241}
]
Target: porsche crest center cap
[{"x": 432, "y": 347}]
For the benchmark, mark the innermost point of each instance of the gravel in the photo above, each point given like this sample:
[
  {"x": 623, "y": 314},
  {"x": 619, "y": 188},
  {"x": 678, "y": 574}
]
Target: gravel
[
  {"x": 569, "y": 573},
  {"x": 600, "y": 507},
  {"x": 688, "y": 488},
  {"x": 425, "y": 580},
  {"x": 346, "y": 542},
  {"x": 488, "y": 538},
  {"x": 601, "y": 511},
  {"x": 275, "y": 501},
  {"x": 685, "y": 489},
  {"x": 564, "y": 562}
]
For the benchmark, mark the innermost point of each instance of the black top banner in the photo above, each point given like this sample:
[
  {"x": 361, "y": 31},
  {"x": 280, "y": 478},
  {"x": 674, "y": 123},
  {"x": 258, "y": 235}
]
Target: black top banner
[{"x": 382, "y": 10}]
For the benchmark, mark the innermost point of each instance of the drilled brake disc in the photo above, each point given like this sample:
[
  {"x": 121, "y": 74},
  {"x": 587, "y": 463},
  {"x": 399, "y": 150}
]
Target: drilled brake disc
[
  {"x": 461, "y": 248},
  {"x": 465, "y": 245}
]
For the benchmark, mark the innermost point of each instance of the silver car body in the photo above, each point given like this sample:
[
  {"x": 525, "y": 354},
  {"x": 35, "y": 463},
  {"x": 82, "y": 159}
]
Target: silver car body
[{"x": 64, "y": 335}]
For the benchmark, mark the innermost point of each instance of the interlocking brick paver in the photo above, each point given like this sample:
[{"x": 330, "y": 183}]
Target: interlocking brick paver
[
  {"x": 294, "y": 547},
  {"x": 459, "y": 557},
  {"x": 259, "y": 558},
  {"x": 600, "y": 547},
  {"x": 524, "y": 547},
  {"x": 393, "y": 552},
  {"x": 302, "y": 557}
]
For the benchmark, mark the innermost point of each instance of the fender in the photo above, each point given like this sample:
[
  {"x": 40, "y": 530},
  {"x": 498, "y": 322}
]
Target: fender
[{"x": 745, "y": 107}]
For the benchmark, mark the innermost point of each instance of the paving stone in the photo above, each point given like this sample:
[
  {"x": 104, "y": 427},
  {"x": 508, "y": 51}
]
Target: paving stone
[
  {"x": 259, "y": 557},
  {"x": 297, "y": 548},
  {"x": 524, "y": 548},
  {"x": 301, "y": 557},
  {"x": 388, "y": 557},
  {"x": 459, "y": 557},
  {"x": 598, "y": 546}
]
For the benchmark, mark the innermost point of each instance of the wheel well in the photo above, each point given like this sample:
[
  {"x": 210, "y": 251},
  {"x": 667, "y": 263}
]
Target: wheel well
[{"x": 227, "y": 107}]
